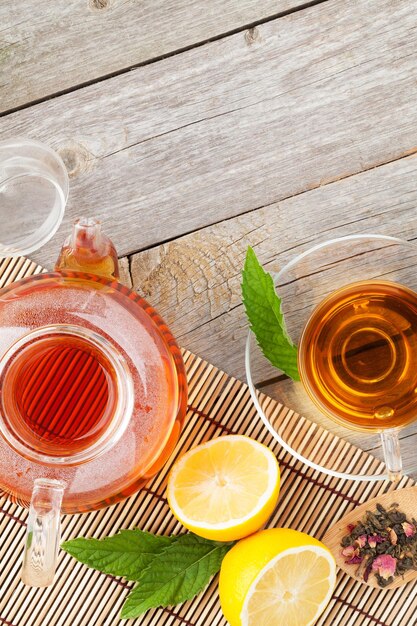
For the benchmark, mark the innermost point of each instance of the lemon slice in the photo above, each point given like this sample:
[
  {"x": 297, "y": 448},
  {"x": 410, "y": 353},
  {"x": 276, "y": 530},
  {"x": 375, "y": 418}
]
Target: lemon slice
[
  {"x": 224, "y": 489},
  {"x": 278, "y": 576}
]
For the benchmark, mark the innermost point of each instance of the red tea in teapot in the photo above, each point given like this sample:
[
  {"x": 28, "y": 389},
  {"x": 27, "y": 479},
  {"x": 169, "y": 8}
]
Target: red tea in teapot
[{"x": 62, "y": 390}]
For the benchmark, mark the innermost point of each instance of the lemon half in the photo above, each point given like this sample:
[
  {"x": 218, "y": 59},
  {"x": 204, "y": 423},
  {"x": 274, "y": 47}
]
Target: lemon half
[
  {"x": 226, "y": 488},
  {"x": 277, "y": 576}
]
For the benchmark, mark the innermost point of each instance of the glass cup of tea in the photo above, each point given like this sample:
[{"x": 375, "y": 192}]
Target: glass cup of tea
[
  {"x": 33, "y": 195},
  {"x": 350, "y": 304}
]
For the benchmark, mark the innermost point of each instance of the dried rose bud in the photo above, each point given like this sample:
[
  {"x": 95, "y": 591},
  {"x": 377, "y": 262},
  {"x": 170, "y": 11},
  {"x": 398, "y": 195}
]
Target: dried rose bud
[
  {"x": 351, "y": 528},
  {"x": 385, "y": 565},
  {"x": 355, "y": 560},
  {"x": 374, "y": 539},
  {"x": 350, "y": 552},
  {"x": 361, "y": 541},
  {"x": 352, "y": 555},
  {"x": 393, "y": 537},
  {"x": 409, "y": 529}
]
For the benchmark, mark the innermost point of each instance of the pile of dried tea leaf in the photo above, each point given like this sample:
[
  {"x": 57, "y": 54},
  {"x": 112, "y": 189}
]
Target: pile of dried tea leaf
[{"x": 384, "y": 543}]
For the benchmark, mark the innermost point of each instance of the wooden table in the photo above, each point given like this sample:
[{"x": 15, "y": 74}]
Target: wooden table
[{"x": 193, "y": 129}]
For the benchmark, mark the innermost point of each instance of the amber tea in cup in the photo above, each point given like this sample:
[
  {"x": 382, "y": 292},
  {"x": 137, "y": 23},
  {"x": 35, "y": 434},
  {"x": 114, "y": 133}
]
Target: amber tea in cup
[{"x": 358, "y": 355}]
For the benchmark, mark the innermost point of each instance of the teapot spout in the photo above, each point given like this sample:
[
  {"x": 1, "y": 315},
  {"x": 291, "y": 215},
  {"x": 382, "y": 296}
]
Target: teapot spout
[{"x": 88, "y": 250}]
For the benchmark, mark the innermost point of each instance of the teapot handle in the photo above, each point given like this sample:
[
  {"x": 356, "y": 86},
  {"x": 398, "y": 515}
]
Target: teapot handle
[{"x": 43, "y": 533}]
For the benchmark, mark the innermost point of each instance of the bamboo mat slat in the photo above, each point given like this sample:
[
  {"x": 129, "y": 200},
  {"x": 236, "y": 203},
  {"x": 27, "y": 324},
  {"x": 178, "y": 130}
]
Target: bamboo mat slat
[{"x": 309, "y": 501}]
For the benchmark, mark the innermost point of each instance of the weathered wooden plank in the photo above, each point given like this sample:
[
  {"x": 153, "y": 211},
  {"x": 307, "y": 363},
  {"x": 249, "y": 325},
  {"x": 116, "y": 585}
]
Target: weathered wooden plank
[
  {"x": 125, "y": 277},
  {"x": 236, "y": 124},
  {"x": 52, "y": 46}
]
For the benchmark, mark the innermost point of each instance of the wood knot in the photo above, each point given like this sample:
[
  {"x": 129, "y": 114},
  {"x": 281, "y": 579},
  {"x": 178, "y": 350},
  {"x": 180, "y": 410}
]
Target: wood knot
[
  {"x": 77, "y": 159},
  {"x": 99, "y": 5},
  {"x": 252, "y": 36}
]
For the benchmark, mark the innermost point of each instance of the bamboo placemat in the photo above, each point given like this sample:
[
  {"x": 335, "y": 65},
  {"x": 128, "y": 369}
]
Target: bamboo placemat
[{"x": 309, "y": 501}]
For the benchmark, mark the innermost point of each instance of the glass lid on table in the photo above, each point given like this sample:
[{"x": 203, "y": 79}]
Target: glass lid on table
[
  {"x": 33, "y": 195},
  {"x": 350, "y": 306}
]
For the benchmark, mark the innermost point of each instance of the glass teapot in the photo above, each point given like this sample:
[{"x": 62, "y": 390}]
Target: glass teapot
[{"x": 93, "y": 392}]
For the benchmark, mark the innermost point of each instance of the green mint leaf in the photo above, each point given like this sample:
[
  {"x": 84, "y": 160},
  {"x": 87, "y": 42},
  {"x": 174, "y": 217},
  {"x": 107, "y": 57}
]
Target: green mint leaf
[
  {"x": 177, "y": 574},
  {"x": 263, "y": 309},
  {"x": 126, "y": 554}
]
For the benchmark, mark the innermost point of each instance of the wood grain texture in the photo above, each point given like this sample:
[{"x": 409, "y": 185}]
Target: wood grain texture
[
  {"x": 236, "y": 124},
  {"x": 125, "y": 277},
  {"x": 49, "y": 47}
]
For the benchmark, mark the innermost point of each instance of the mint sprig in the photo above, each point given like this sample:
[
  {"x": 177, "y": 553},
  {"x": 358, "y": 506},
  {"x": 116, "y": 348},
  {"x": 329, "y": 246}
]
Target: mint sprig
[
  {"x": 264, "y": 312},
  {"x": 167, "y": 570}
]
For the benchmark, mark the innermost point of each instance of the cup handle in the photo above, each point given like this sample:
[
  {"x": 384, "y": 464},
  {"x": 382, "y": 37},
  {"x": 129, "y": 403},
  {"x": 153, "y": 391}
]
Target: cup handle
[
  {"x": 392, "y": 453},
  {"x": 43, "y": 533}
]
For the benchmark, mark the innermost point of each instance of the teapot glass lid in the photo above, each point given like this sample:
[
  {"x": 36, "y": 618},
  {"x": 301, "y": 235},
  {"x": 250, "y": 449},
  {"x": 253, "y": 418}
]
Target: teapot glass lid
[{"x": 33, "y": 195}]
